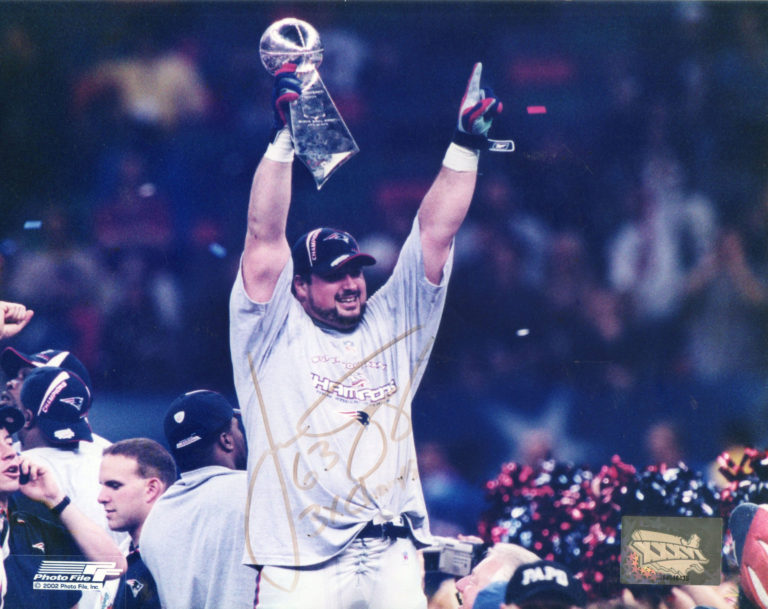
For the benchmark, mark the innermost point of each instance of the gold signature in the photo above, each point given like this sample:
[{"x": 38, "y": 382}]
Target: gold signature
[{"x": 359, "y": 495}]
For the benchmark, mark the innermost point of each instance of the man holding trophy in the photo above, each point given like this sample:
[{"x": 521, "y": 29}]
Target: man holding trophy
[{"x": 325, "y": 376}]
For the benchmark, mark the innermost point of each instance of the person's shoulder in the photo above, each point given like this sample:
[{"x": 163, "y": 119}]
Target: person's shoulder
[
  {"x": 39, "y": 451},
  {"x": 226, "y": 476},
  {"x": 212, "y": 482},
  {"x": 45, "y": 455},
  {"x": 99, "y": 443},
  {"x": 22, "y": 507},
  {"x": 92, "y": 450},
  {"x": 33, "y": 529}
]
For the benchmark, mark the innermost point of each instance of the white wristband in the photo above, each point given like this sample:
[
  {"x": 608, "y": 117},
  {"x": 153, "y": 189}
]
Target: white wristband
[
  {"x": 459, "y": 158},
  {"x": 281, "y": 149}
]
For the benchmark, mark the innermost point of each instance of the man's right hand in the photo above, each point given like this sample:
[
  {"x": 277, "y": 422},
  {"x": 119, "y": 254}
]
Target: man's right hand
[
  {"x": 40, "y": 483},
  {"x": 287, "y": 88}
]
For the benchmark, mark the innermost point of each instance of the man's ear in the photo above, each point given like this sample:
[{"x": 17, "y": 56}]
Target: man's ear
[
  {"x": 29, "y": 418},
  {"x": 300, "y": 285},
  {"x": 154, "y": 488},
  {"x": 226, "y": 442}
]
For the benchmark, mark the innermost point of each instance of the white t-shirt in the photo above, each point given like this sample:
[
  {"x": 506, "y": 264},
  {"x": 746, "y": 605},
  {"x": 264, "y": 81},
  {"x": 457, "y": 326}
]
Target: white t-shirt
[
  {"x": 191, "y": 542},
  {"x": 328, "y": 414}
]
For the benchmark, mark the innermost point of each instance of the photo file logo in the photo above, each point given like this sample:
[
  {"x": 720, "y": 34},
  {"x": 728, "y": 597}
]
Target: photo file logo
[{"x": 73, "y": 575}]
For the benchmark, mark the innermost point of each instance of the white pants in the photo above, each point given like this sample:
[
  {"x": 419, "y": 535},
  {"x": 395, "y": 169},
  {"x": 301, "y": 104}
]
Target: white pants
[{"x": 369, "y": 574}]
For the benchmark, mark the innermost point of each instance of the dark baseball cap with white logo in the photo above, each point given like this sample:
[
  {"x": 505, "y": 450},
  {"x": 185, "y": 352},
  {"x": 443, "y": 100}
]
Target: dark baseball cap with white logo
[
  {"x": 325, "y": 250},
  {"x": 11, "y": 361},
  {"x": 195, "y": 416},
  {"x": 60, "y": 400},
  {"x": 544, "y": 579}
]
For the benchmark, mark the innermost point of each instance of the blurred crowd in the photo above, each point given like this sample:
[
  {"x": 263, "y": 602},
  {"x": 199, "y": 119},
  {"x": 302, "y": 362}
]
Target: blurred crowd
[{"x": 610, "y": 289}]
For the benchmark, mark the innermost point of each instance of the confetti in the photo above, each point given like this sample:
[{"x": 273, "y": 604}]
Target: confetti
[
  {"x": 572, "y": 514},
  {"x": 523, "y": 332},
  {"x": 536, "y": 109},
  {"x": 33, "y": 224}
]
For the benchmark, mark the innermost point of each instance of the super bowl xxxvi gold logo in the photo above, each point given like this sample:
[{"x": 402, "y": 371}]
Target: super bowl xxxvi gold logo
[{"x": 663, "y": 553}]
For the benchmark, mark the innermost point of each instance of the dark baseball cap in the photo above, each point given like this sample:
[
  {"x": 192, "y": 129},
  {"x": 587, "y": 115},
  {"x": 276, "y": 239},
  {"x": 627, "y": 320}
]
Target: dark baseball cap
[
  {"x": 11, "y": 361},
  {"x": 324, "y": 250},
  {"x": 61, "y": 401},
  {"x": 11, "y": 419},
  {"x": 196, "y": 416},
  {"x": 544, "y": 579}
]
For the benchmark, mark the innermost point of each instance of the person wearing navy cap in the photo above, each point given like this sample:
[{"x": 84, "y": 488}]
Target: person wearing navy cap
[
  {"x": 544, "y": 584},
  {"x": 192, "y": 539},
  {"x": 326, "y": 376},
  {"x": 13, "y": 361},
  {"x": 17, "y": 365},
  {"x": 57, "y": 434}
]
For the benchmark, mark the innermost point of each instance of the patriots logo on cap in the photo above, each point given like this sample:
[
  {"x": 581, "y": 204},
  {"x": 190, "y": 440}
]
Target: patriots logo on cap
[
  {"x": 77, "y": 402},
  {"x": 338, "y": 236}
]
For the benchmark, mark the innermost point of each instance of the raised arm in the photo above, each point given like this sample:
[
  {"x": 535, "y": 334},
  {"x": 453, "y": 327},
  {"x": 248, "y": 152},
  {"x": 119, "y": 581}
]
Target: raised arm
[
  {"x": 266, "y": 248},
  {"x": 440, "y": 215},
  {"x": 445, "y": 205}
]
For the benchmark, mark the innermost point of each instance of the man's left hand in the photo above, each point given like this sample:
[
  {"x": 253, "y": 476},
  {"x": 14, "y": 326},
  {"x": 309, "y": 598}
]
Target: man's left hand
[{"x": 478, "y": 107}]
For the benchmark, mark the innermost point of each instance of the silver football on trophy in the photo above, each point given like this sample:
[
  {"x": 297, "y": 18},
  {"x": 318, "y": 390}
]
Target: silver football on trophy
[{"x": 290, "y": 40}]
